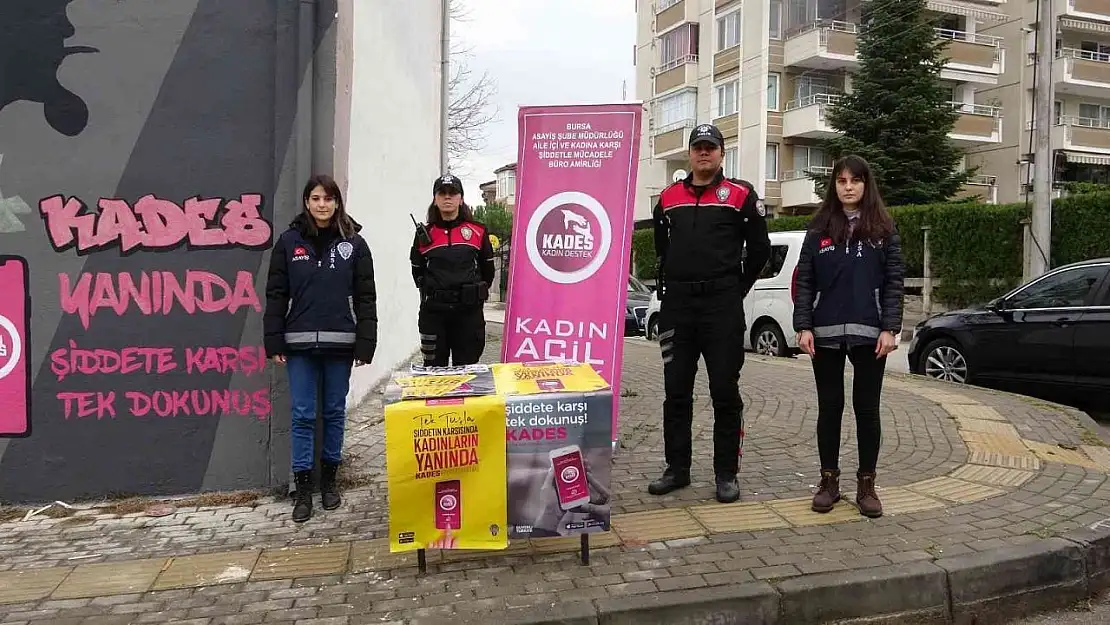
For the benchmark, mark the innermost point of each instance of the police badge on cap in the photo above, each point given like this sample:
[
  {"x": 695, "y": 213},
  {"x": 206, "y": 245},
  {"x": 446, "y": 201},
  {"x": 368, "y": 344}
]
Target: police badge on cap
[
  {"x": 447, "y": 183},
  {"x": 707, "y": 133}
]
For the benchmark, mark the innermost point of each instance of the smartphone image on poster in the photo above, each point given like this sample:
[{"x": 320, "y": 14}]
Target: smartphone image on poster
[
  {"x": 570, "y": 476},
  {"x": 448, "y": 505},
  {"x": 15, "y": 357}
]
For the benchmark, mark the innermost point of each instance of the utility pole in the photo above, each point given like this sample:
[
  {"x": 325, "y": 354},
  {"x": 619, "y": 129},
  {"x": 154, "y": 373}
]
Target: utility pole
[
  {"x": 444, "y": 85},
  {"x": 1041, "y": 226}
]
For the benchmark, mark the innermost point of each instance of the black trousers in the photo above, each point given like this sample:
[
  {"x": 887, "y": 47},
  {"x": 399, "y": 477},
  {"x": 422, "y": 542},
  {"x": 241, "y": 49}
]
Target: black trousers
[
  {"x": 867, "y": 385},
  {"x": 451, "y": 335},
  {"x": 710, "y": 326}
]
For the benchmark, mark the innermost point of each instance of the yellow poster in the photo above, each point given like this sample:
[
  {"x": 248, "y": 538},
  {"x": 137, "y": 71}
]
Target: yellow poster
[
  {"x": 518, "y": 378},
  {"x": 431, "y": 385},
  {"x": 445, "y": 463}
]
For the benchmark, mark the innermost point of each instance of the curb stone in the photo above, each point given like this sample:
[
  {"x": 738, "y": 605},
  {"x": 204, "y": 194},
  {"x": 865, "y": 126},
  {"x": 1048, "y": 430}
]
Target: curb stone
[{"x": 975, "y": 589}]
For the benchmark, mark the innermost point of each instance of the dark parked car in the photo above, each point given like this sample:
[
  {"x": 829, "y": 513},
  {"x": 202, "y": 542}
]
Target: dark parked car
[
  {"x": 1049, "y": 338},
  {"x": 635, "y": 311}
]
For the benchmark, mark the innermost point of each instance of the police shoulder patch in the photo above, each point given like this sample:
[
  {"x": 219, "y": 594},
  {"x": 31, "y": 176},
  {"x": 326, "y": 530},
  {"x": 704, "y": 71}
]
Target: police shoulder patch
[
  {"x": 760, "y": 208},
  {"x": 722, "y": 193},
  {"x": 466, "y": 232}
]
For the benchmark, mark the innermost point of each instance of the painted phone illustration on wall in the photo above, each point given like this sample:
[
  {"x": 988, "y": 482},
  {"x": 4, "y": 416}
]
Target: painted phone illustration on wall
[
  {"x": 570, "y": 476},
  {"x": 448, "y": 505},
  {"x": 15, "y": 352}
]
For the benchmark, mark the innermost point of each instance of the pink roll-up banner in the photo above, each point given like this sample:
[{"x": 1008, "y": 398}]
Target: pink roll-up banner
[{"x": 572, "y": 237}]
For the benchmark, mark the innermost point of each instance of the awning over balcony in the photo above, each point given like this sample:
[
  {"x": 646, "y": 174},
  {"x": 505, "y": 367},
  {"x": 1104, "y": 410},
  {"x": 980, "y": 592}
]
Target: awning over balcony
[
  {"x": 958, "y": 9},
  {"x": 1083, "y": 158},
  {"x": 1074, "y": 24}
]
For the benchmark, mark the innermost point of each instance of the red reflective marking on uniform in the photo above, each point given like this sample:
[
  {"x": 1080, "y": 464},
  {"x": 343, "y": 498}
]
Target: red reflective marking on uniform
[
  {"x": 440, "y": 239},
  {"x": 678, "y": 195}
]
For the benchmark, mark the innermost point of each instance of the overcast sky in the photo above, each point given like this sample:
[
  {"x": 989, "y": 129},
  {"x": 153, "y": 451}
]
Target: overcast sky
[{"x": 543, "y": 52}]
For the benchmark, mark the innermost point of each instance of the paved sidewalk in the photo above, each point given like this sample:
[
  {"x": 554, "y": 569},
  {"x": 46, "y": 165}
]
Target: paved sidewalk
[{"x": 963, "y": 471}]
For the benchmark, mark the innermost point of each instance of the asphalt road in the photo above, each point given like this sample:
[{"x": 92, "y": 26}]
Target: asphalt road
[{"x": 1095, "y": 613}]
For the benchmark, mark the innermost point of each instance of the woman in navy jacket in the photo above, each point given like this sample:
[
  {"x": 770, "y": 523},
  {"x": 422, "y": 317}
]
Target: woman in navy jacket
[
  {"x": 321, "y": 317},
  {"x": 848, "y": 303}
]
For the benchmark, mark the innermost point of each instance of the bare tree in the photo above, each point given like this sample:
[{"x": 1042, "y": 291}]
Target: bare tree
[{"x": 470, "y": 109}]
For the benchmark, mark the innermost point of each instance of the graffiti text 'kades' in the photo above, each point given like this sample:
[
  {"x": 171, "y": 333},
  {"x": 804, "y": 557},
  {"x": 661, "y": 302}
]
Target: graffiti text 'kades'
[{"x": 155, "y": 224}]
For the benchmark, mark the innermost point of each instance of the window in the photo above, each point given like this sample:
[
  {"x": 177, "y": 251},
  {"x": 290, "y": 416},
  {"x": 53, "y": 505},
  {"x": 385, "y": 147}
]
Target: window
[
  {"x": 728, "y": 31},
  {"x": 775, "y": 263},
  {"x": 1058, "y": 111},
  {"x": 808, "y": 158},
  {"x": 1062, "y": 290},
  {"x": 732, "y": 163},
  {"x": 675, "y": 110},
  {"x": 772, "y": 92},
  {"x": 726, "y": 98},
  {"x": 506, "y": 185},
  {"x": 808, "y": 86},
  {"x": 772, "y": 161},
  {"x": 1094, "y": 115},
  {"x": 666, "y": 4},
  {"x": 677, "y": 44},
  {"x": 774, "y": 16}
]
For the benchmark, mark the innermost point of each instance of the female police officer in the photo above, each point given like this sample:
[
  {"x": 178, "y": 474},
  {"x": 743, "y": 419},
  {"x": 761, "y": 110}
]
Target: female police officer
[{"x": 452, "y": 265}]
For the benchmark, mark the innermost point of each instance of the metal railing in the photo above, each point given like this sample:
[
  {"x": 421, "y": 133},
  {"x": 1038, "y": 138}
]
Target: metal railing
[
  {"x": 1086, "y": 55},
  {"x": 976, "y": 38},
  {"x": 664, "y": 5},
  {"x": 685, "y": 123},
  {"x": 801, "y": 174},
  {"x": 824, "y": 25},
  {"x": 680, "y": 61},
  {"x": 983, "y": 180},
  {"x": 971, "y": 108},
  {"x": 814, "y": 98}
]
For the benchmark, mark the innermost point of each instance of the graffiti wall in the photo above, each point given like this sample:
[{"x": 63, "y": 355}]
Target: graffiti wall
[{"x": 148, "y": 159}]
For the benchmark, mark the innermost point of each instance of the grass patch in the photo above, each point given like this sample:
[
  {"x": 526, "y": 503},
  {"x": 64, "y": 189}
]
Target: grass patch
[
  {"x": 135, "y": 505},
  {"x": 75, "y": 521},
  {"x": 9, "y": 514},
  {"x": 1092, "y": 438}
]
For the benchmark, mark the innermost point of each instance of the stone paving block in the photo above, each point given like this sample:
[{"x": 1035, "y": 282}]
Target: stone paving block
[
  {"x": 744, "y": 517},
  {"x": 294, "y": 562},
  {"x": 754, "y": 603},
  {"x": 915, "y": 592},
  {"x": 30, "y": 584},
  {"x": 798, "y": 512},
  {"x": 904, "y": 501},
  {"x": 1054, "y": 453},
  {"x": 997, "y": 476},
  {"x": 656, "y": 525},
  {"x": 1100, "y": 455},
  {"x": 110, "y": 578},
  {"x": 518, "y": 547},
  {"x": 943, "y": 398},
  {"x": 973, "y": 411},
  {"x": 207, "y": 570},
  {"x": 956, "y": 490},
  {"x": 566, "y": 544},
  {"x": 1026, "y": 462},
  {"x": 988, "y": 426},
  {"x": 1006, "y": 445}
]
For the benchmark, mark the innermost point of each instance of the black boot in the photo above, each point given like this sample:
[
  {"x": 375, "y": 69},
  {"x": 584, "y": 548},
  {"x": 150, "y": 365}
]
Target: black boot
[
  {"x": 302, "y": 498},
  {"x": 672, "y": 480},
  {"x": 728, "y": 488},
  {"x": 329, "y": 494}
]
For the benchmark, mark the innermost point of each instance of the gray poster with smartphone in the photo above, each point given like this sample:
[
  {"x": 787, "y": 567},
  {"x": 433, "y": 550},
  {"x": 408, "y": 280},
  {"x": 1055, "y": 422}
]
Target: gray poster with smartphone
[{"x": 559, "y": 463}]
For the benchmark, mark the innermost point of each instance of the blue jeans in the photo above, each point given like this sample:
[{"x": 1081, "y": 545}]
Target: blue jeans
[{"x": 303, "y": 379}]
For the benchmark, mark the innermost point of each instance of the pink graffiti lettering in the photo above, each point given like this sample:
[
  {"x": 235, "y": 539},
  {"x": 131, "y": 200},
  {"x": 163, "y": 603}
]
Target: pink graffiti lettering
[
  {"x": 154, "y": 223},
  {"x": 156, "y": 292},
  {"x": 89, "y": 404},
  {"x": 200, "y": 403},
  {"x": 248, "y": 360},
  {"x": 150, "y": 360}
]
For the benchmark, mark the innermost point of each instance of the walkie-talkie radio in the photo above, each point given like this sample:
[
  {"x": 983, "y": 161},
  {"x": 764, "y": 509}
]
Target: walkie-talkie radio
[{"x": 421, "y": 232}]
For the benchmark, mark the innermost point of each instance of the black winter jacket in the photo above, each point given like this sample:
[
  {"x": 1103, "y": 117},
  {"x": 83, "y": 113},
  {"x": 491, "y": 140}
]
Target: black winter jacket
[
  {"x": 321, "y": 301},
  {"x": 456, "y": 267},
  {"x": 848, "y": 294}
]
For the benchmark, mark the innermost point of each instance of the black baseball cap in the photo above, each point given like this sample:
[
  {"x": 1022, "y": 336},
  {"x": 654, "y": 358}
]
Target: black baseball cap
[
  {"x": 447, "y": 181},
  {"x": 707, "y": 132}
]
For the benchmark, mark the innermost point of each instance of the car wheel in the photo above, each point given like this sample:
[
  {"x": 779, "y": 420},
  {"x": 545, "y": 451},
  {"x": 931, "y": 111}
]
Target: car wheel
[
  {"x": 652, "y": 331},
  {"x": 944, "y": 359},
  {"x": 768, "y": 340}
]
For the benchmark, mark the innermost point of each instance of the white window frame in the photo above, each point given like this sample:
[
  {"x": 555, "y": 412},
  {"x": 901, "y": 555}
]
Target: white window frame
[
  {"x": 718, "y": 89},
  {"x": 771, "y": 166},
  {"x": 774, "y": 19},
  {"x": 733, "y": 18},
  {"x": 675, "y": 110},
  {"x": 773, "y": 102},
  {"x": 677, "y": 44},
  {"x": 732, "y": 162},
  {"x": 665, "y": 4}
]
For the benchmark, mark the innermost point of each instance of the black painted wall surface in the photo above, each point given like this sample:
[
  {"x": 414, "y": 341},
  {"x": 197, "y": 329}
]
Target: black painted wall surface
[{"x": 146, "y": 165}]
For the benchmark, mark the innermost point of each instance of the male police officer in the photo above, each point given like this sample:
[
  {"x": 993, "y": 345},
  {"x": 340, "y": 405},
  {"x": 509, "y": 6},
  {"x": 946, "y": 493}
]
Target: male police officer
[{"x": 701, "y": 226}]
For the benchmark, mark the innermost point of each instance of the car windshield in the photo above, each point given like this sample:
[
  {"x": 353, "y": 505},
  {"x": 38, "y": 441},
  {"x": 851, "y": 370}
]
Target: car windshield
[{"x": 635, "y": 286}]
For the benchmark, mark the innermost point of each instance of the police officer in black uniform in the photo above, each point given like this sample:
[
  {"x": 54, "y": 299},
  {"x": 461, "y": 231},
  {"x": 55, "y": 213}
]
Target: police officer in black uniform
[
  {"x": 702, "y": 224},
  {"x": 452, "y": 265}
]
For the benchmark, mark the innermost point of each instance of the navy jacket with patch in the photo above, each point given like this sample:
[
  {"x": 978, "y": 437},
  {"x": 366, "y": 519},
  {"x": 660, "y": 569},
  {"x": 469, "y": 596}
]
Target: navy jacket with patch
[
  {"x": 847, "y": 294},
  {"x": 324, "y": 303}
]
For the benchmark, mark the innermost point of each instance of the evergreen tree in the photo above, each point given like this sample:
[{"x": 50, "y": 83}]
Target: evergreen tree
[{"x": 897, "y": 116}]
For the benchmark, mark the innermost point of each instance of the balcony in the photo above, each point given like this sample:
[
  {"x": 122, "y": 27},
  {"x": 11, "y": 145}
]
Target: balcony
[
  {"x": 677, "y": 73},
  {"x": 1084, "y": 9},
  {"x": 972, "y": 57},
  {"x": 1082, "y": 134},
  {"x": 978, "y": 124},
  {"x": 983, "y": 187},
  {"x": 1081, "y": 72},
  {"x": 672, "y": 13},
  {"x": 805, "y": 117},
  {"x": 669, "y": 141},
  {"x": 825, "y": 44},
  {"x": 797, "y": 187},
  {"x": 726, "y": 60}
]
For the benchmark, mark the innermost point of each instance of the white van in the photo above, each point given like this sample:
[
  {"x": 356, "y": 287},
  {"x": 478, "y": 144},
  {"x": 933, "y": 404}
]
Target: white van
[{"x": 769, "y": 308}]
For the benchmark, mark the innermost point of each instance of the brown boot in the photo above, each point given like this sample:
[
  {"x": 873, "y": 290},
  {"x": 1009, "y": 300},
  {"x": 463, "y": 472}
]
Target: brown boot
[
  {"x": 866, "y": 497},
  {"x": 829, "y": 491}
]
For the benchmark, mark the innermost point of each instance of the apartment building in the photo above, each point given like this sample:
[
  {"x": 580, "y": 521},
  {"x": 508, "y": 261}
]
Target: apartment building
[{"x": 766, "y": 71}]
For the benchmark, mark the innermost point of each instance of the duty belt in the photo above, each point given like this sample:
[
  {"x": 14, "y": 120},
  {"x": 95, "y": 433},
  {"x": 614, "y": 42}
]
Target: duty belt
[
  {"x": 469, "y": 295},
  {"x": 703, "y": 287}
]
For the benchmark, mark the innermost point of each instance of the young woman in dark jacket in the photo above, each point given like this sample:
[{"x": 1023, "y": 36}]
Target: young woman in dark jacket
[
  {"x": 321, "y": 317},
  {"x": 848, "y": 303}
]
